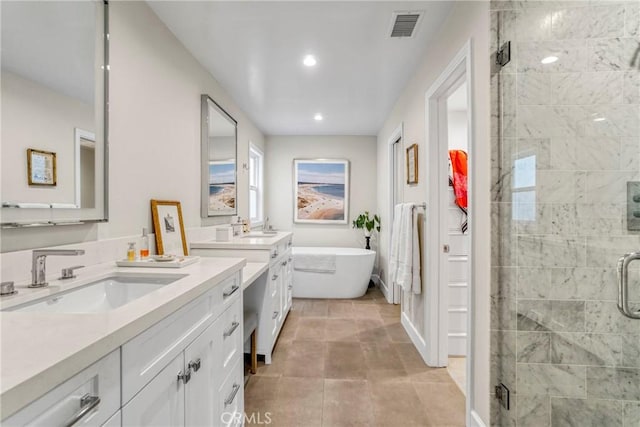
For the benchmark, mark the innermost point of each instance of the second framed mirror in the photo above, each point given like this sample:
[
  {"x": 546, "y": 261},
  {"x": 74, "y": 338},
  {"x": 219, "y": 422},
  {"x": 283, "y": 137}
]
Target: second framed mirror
[{"x": 219, "y": 157}]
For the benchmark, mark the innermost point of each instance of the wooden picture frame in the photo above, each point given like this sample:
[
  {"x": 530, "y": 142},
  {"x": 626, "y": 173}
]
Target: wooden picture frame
[
  {"x": 169, "y": 241},
  {"x": 412, "y": 164},
  {"x": 42, "y": 168},
  {"x": 321, "y": 191}
]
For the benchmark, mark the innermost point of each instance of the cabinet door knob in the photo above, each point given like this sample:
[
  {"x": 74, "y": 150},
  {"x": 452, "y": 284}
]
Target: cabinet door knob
[
  {"x": 195, "y": 365},
  {"x": 184, "y": 376},
  {"x": 275, "y": 276},
  {"x": 274, "y": 254},
  {"x": 275, "y": 314}
]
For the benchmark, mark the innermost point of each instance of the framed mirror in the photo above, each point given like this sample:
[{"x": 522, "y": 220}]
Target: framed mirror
[
  {"x": 54, "y": 95},
  {"x": 219, "y": 135}
]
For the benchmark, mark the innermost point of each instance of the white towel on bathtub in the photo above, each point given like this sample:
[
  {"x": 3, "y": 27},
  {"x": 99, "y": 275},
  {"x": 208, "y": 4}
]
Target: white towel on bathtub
[{"x": 317, "y": 263}]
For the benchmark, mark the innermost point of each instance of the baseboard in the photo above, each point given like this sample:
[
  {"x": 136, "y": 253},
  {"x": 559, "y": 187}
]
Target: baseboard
[
  {"x": 382, "y": 286},
  {"x": 475, "y": 420},
  {"x": 415, "y": 337}
]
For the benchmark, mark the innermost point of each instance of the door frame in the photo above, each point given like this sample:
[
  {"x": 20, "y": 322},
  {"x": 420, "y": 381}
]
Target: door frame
[
  {"x": 436, "y": 314},
  {"x": 391, "y": 291}
]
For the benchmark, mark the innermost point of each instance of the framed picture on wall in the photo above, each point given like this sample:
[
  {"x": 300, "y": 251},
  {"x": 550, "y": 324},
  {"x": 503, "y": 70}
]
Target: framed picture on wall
[
  {"x": 321, "y": 191},
  {"x": 222, "y": 187},
  {"x": 41, "y": 167},
  {"x": 168, "y": 227},
  {"x": 412, "y": 164}
]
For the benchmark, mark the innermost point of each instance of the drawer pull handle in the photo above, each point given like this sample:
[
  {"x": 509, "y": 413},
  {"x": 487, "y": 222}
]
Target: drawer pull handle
[
  {"x": 87, "y": 403},
  {"x": 275, "y": 276},
  {"x": 231, "y": 291},
  {"x": 290, "y": 287},
  {"x": 274, "y": 254},
  {"x": 284, "y": 263},
  {"x": 195, "y": 365},
  {"x": 231, "y": 329},
  {"x": 275, "y": 314},
  {"x": 232, "y": 396},
  {"x": 184, "y": 376}
]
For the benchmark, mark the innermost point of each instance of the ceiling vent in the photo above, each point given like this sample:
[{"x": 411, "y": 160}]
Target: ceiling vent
[{"x": 404, "y": 24}]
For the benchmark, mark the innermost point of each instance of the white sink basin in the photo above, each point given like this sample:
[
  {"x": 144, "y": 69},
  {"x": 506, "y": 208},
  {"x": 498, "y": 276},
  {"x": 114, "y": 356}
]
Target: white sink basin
[
  {"x": 260, "y": 234},
  {"x": 102, "y": 295}
]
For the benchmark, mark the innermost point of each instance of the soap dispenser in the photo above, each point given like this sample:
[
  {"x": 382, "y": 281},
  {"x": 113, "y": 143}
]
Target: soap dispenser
[{"x": 144, "y": 244}]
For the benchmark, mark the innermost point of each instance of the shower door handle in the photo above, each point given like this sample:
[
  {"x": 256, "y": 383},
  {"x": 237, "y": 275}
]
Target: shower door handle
[{"x": 623, "y": 285}]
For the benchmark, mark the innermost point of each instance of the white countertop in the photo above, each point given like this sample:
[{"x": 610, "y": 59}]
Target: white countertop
[
  {"x": 251, "y": 272},
  {"x": 240, "y": 242},
  {"x": 41, "y": 350}
]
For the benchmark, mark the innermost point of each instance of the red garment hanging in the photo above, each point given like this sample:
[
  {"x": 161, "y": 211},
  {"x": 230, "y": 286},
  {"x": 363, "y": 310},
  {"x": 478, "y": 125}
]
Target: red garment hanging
[{"x": 460, "y": 177}]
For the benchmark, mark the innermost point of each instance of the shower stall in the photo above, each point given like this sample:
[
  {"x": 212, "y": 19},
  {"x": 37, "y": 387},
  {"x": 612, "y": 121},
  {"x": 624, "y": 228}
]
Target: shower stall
[{"x": 565, "y": 208}]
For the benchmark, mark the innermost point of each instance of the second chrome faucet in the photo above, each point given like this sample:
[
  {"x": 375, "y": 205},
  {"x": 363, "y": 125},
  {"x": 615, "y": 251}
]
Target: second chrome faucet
[{"x": 38, "y": 264}]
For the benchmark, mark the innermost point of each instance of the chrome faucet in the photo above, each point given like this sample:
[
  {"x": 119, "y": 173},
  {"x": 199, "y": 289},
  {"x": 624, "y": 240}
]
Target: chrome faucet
[
  {"x": 38, "y": 264},
  {"x": 265, "y": 224}
]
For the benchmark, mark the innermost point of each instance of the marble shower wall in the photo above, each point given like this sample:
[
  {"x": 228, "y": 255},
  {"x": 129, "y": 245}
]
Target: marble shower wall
[{"x": 565, "y": 141}]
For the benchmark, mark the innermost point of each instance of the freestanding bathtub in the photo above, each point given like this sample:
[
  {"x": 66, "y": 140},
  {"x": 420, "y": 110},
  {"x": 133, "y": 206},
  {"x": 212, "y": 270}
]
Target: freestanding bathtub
[{"x": 353, "y": 267}]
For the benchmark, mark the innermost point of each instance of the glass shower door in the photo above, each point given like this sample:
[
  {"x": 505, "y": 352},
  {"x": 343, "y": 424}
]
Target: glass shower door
[{"x": 565, "y": 146}]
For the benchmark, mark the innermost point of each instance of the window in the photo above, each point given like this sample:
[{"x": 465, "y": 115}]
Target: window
[
  {"x": 256, "y": 188},
  {"x": 524, "y": 189}
]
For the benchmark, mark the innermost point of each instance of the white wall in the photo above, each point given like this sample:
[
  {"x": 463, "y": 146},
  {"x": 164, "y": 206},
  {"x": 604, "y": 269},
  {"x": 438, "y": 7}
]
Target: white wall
[
  {"x": 154, "y": 143},
  {"x": 282, "y": 150},
  {"x": 468, "y": 20},
  {"x": 35, "y": 116},
  {"x": 457, "y": 130}
]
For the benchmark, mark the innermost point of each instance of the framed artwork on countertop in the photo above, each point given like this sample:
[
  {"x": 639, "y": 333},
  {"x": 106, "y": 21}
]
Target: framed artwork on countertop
[{"x": 169, "y": 228}]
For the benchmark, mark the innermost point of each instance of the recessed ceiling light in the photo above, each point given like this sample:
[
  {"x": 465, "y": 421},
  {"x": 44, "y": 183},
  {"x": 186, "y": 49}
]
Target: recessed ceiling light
[
  {"x": 549, "y": 59},
  {"x": 599, "y": 119},
  {"x": 309, "y": 61},
  {"x": 317, "y": 117}
]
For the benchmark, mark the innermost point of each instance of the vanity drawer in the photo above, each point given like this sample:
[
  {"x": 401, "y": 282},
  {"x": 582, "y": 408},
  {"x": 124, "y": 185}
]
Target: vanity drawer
[
  {"x": 148, "y": 353},
  {"x": 231, "y": 397},
  {"x": 231, "y": 326},
  {"x": 60, "y": 405}
]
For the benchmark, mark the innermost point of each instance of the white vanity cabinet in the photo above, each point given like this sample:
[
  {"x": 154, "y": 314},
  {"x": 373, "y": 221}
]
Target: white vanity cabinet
[
  {"x": 175, "y": 359},
  {"x": 89, "y": 398},
  {"x": 206, "y": 346},
  {"x": 274, "y": 301}
]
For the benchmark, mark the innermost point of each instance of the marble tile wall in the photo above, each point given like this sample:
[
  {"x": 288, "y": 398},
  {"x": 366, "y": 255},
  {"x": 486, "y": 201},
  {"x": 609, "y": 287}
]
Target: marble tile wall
[{"x": 565, "y": 141}]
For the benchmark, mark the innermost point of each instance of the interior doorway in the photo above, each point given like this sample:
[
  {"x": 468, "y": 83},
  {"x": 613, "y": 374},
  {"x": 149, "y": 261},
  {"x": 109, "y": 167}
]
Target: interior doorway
[
  {"x": 449, "y": 230},
  {"x": 391, "y": 291}
]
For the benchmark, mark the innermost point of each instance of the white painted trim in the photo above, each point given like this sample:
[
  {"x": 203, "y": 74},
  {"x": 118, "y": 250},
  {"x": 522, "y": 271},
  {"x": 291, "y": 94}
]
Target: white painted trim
[
  {"x": 382, "y": 286},
  {"x": 393, "y": 293},
  {"x": 475, "y": 420},
  {"x": 461, "y": 67},
  {"x": 414, "y": 336}
]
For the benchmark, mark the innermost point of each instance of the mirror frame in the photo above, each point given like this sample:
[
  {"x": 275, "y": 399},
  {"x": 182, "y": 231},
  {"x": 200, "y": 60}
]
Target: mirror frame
[
  {"x": 204, "y": 155},
  {"x": 105, "y": 118}
]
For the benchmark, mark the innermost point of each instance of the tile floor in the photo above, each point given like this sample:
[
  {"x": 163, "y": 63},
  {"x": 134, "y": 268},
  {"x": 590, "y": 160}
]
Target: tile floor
[{"x": 350, "y": 363}]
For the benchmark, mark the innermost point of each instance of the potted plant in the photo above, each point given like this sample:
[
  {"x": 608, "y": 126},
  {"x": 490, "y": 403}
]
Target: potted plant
[{"x": 368, "y": 224}]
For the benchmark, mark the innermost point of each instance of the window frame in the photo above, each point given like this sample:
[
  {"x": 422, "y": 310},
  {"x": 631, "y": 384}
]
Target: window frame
[{"x": 256, "y": 153}]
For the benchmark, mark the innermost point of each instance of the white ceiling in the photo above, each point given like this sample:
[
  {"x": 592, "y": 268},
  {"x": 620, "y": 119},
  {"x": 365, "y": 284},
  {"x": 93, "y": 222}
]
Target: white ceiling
[
  {"x": 255, "y": 50},
  {"x": 52, "y": 43}
]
